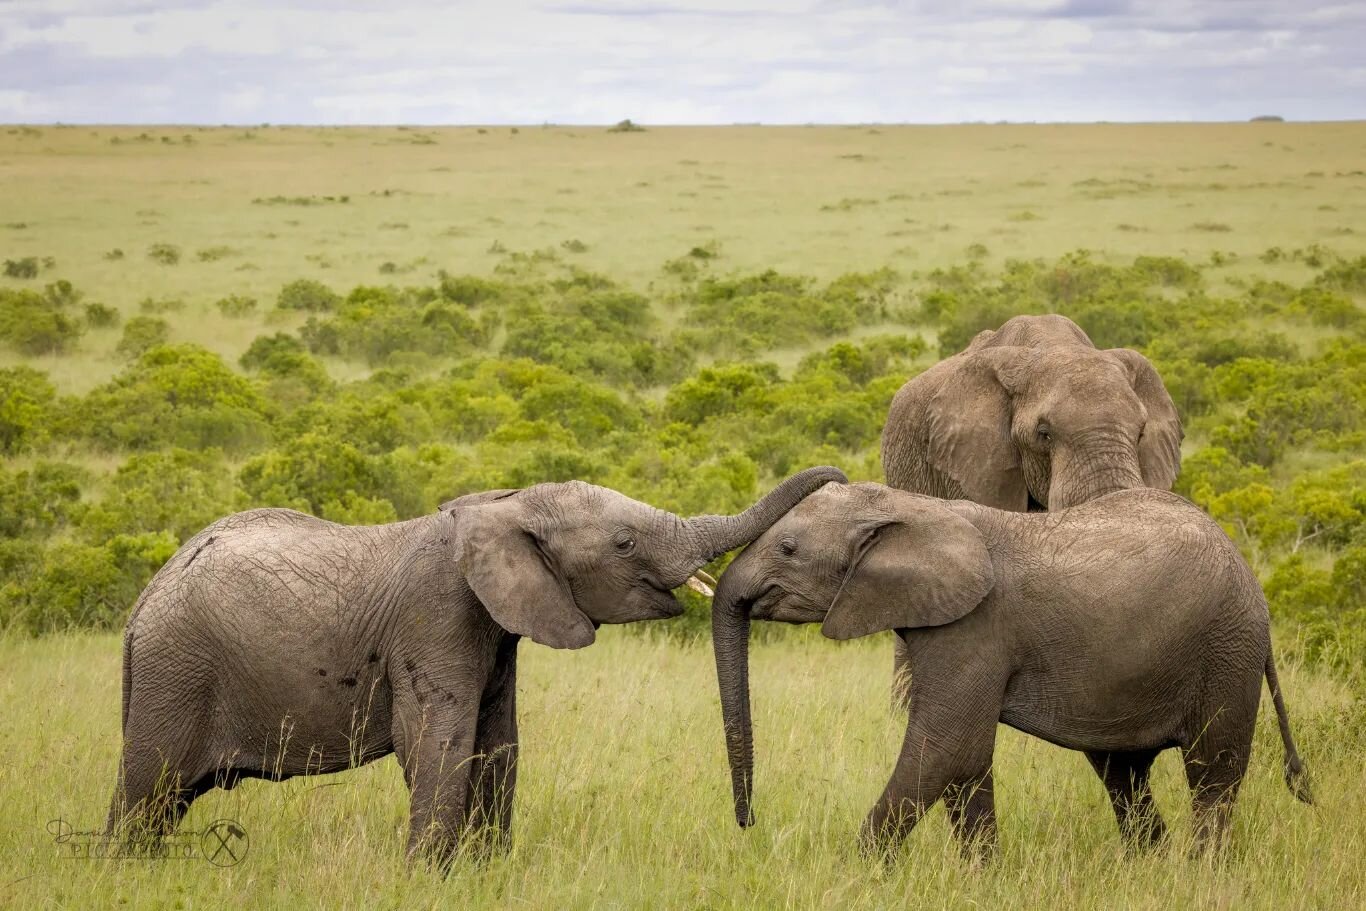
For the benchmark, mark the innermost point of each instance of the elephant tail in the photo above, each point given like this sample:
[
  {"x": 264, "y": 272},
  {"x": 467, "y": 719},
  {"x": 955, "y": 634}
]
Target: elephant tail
[
  {"x": 127, "y": 673},
  {"x": 1296, "y": 776}
]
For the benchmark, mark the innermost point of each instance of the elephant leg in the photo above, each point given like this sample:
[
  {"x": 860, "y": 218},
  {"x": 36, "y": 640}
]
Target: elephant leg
[
  {"x": 1215, "y": 765},
  {"x": 901, "y": 674},
  {"x": 947, "y": 745},
  {"x": 435, "y": 744},
  {"x": 972, "y": 813},
  {"x": 1125, "y": 776},
  {"x": 494, "y": 771},
  {"x": 159, "y": 777}
]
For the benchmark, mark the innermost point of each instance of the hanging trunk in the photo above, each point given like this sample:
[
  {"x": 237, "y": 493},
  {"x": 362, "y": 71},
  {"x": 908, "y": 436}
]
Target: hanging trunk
[{"x": 730, "y": 641}]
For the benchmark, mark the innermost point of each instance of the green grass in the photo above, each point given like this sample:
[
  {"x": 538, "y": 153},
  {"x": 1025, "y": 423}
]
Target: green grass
[
  {"x": 624, "y": 802},
  {"x": 818, "y": 201}
]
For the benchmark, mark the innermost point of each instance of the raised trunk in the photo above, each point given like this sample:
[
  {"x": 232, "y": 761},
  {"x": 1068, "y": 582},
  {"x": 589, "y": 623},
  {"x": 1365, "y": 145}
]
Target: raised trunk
[
  {"x": 730, "y": 641},
  {"x": 713, "y": 536}
]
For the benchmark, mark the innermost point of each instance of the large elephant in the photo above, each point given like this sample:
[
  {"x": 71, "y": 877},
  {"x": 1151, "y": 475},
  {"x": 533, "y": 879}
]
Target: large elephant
[
  {"x": 275, "y": 644},
  {"x": 1120, "y": 628},
  {"x": 1031, "y": 416}
]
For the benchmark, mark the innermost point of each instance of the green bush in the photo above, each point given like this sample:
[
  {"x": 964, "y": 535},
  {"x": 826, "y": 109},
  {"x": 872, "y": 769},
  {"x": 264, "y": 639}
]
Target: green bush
[
  {"x": 26, "y": 267},
  {"x": 35, "y": 323},
  {"x": 312, "y": 471},
  {"x": 101, "y": 316},
  {"x": 175, "y": 491},
  {"x": 309, "y": 295},
  {"x": 161, "y": 305},
  {"x": 38, "y": 501},
  {"x": 547, "y": 371},
  {"x": 236, "y": 306},
  {"x": 85, "y": 585},
  {"x": 141, "y": 334},
  {"x": 174, "y": 395},
  {"x": 27, "y": 401},
  {"x": 165, "y": 254}
]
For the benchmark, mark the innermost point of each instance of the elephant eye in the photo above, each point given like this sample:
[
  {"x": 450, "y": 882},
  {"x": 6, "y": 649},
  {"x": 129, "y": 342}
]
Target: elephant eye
[
  {"x": 1044, "y": 433},
  {"x": 625, "y": 545},
  {"x": 787, "y": 546}
]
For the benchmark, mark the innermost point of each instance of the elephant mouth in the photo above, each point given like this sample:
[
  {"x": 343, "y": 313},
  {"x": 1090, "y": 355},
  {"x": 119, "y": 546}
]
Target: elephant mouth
[
  {"x": 662, "y": 601},
  {"x": 768, "y": 605}
]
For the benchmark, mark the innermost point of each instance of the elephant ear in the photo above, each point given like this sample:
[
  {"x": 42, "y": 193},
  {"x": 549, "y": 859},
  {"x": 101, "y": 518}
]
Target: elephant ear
[
  {"x": 516, "y": 578},
  {"x": 925, "y": 571},
  {"x": 968, "y": 429},
  {"x": 1159, "y": 449}
]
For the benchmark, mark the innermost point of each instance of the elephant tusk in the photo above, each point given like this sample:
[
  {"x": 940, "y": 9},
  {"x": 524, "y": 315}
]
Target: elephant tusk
[
  {"x": 697, "y": 585},
  {"x": 705, "y": 577}
]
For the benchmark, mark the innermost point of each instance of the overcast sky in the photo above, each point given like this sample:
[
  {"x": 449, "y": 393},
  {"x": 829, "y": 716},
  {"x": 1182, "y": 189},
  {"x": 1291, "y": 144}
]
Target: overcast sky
[{"x": 687, "y": 61}]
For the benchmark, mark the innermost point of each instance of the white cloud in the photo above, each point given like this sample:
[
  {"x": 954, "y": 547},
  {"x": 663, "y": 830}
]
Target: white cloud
[{"x": 685, "y": 61}]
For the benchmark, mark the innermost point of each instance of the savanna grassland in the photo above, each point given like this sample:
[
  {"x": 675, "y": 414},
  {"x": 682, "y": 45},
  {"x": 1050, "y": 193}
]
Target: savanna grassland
[{"x": 361, "y": 323}]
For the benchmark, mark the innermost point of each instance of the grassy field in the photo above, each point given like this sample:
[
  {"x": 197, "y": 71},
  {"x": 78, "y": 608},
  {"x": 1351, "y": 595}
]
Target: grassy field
[
  {"x": 624, "y": 802},
  {"x": 263, "y": 206},
  {"x": 624, "y": 799}
]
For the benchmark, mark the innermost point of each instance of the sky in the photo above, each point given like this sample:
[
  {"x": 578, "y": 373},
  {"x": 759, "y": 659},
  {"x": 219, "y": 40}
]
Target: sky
[{"x": 680, "y": 61}]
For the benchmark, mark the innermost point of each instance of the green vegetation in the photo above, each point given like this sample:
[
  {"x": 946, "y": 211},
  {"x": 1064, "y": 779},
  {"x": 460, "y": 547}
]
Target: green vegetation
[{"x": 549, "y": 372}]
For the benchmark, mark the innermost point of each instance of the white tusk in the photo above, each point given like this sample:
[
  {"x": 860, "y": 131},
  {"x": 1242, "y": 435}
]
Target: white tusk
[
  {"x": 705, "y": 577},
  {"x": 699, "y": 586}
]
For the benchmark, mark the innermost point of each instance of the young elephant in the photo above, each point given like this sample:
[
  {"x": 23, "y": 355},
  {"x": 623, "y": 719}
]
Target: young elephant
[
  {"x": 274, "y": 644},
  {"x": 1120, "y": 628}
]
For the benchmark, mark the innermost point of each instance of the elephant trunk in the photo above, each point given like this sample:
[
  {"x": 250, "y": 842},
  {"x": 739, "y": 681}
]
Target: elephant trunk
[
  {"x": 712, "y": 536},
  {"x": 1105, "y": 464},
  {"x": 730, "y": 641}
]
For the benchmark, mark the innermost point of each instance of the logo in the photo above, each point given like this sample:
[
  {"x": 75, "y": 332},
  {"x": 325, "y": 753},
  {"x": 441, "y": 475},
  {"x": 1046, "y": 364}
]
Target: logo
[{"x": 223, "y": 843}]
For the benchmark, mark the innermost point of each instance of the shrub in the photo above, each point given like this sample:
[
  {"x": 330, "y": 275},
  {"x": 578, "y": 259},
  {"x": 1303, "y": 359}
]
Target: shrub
[
  {"x": 27, "y": 267},
  {"x": 236, "y": 306},
  {"x": 101, "y": 316},
  {"x": 161, "y": 305},
  {"x": 307, "y": 294},
  {"x": 174, "y": 395},
  {"x": 165, "y": 254},
  {"x": 311, "y": 471},
  {"x": 283, "y": 357},
  {"x": 142, "y": 333},
  {"x": 177, "y": 491},
  {"x": 213, "y": 254},
  {"x": 375, "y": 324},
  {"x": 625, "y": 126},
  {"x": 38, "y": 501},
  {"x": 34, "y": 322},
  {"x": 26, "y": 402},
  {"x": 82, "y": 585}
]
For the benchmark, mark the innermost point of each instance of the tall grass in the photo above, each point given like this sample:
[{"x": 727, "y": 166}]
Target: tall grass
[{"x": 624, "y": 802}]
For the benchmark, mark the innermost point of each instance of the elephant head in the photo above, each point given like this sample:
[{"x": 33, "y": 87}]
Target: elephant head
[
  {"x": 856, "y": 558},
  {"x": 554, "y": 561},
  {"x": 1049, "y": 427}
]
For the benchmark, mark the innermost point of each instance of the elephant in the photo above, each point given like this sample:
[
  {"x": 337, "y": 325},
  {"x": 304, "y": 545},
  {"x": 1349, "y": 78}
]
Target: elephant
[
  {"x": 1030, "y": 416},
  {"x": 1120, "y": 627},
  {"x": 275, "y": 644}
]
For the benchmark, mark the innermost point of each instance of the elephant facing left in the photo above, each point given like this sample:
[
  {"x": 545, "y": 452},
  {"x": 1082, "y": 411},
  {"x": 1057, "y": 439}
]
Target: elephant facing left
[{"x": 274, "y": 644}]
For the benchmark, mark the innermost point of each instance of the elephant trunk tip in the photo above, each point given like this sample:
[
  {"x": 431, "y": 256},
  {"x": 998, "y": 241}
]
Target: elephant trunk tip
[{"x": 1296, "y": 779}]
